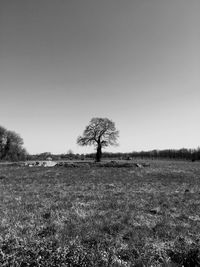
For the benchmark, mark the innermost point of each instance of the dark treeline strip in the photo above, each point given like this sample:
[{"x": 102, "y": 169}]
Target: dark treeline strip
[{"x": 184, "y": 154}]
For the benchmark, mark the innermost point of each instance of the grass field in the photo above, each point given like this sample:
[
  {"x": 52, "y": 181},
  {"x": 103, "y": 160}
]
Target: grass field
[{"x": 108, "y": 216}]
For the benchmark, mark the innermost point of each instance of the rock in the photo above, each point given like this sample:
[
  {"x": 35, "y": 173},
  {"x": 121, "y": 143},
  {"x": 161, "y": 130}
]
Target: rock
[
  {"x": 155, "y": 210},
  {"x": 138, "y": 165},
  {"x": 50, "y": 164}
]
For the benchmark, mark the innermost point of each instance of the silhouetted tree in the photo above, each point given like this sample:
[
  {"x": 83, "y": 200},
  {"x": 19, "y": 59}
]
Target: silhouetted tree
[{"x": 100, "y": 132}]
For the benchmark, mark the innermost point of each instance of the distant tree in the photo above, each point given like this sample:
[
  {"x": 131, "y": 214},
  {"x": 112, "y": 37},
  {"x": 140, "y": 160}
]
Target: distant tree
[
  {"x": 70, "y": 152},
  {"x": 11, "y": 145},
  {"x": 44, "y": 155},
  {"x": 100, "y": 132}
]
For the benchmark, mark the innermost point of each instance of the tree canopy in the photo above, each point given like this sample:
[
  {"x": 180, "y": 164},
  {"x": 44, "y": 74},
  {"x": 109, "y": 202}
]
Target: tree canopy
[
  {"x": 100, "y": 132},
  {"x": 11, "y": 145}
]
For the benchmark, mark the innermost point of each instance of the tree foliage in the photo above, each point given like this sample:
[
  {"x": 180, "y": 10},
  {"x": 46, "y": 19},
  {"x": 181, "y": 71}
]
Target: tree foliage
[
  {"x": 100, "y": 132},
  {"x": 11, "y": 145}
]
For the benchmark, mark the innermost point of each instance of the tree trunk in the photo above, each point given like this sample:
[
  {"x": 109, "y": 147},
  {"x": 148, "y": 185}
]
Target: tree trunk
[
  {"x": 5, "y": 150},
  {"x": 99, "y": 153}
]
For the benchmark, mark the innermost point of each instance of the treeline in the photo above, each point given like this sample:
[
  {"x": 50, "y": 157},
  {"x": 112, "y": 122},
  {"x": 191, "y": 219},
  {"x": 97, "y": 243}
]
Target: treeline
[
  {"x": 11, "y": 146},
  {"x": 184, "y": 154}
]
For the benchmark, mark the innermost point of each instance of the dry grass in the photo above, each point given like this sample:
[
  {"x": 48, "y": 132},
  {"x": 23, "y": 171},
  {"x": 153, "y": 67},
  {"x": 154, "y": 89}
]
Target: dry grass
[{"x": 93, "y": 216}]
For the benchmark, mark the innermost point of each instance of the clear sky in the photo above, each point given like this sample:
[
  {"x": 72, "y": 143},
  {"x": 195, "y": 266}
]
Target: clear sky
[{"x": 136, "y": 62}]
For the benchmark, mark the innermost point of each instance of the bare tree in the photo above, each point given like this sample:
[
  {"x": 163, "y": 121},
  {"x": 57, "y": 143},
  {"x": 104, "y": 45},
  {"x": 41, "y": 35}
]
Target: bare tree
[{"x": 100, "y": 132}]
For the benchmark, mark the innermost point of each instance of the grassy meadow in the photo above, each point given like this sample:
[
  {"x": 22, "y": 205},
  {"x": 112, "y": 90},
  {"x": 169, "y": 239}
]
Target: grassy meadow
[{"x": 100, "y": 216}]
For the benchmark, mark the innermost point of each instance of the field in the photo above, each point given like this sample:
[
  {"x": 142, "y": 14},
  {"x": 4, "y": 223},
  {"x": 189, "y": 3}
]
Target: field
[{"x": 100, "y": 216}]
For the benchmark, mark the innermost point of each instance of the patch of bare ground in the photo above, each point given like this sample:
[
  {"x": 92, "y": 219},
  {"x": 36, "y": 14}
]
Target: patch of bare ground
[{"x": 108, "y": 216}]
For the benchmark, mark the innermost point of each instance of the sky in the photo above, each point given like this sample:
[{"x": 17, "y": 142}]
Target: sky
[{"x": 136, "y": 62}]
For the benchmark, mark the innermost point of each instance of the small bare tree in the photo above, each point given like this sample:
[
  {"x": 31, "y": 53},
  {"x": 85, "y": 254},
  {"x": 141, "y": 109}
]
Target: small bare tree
[{"x": 100, "y": 132}]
